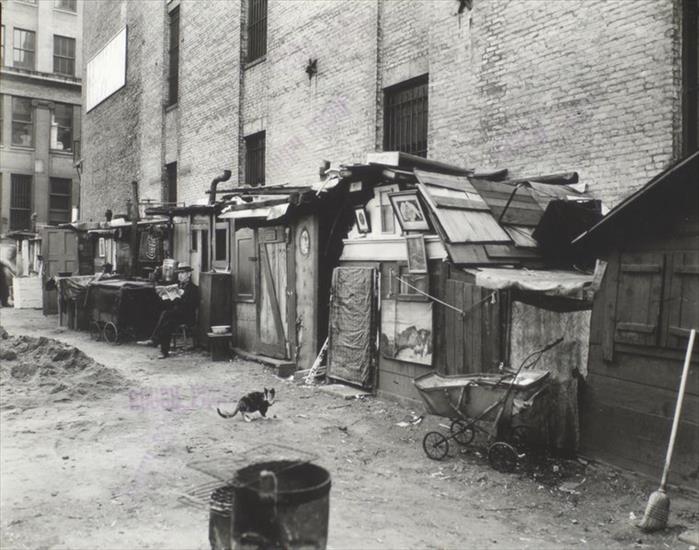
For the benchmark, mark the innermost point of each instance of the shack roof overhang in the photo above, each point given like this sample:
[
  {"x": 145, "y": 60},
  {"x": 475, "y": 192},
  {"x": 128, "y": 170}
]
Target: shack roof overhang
[
  {"x": 677, "y": 184},
  {"x": 550, "y": 282},
  {"x": 183, "y": 211}
]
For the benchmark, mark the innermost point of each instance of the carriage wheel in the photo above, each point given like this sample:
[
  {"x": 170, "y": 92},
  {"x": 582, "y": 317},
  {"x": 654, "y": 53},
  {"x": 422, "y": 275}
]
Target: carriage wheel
[
  {"x": 435, "y": 445},
  {"x": 110, "y": 333},
  {"x": 462, "y": 433},
  {"x": 502, "y": 457},
  {"x": 95, "y": 331}
]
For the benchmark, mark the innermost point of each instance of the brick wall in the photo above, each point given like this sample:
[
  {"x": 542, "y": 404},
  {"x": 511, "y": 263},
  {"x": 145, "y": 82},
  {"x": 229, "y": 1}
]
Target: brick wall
[{"x": 536, "y": 86}]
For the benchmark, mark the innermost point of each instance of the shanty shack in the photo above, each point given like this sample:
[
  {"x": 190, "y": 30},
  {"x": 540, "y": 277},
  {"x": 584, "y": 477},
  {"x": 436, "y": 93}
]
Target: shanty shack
[
  {"x": 471, "y": 272},
  {"x": 647, "y": 304}
]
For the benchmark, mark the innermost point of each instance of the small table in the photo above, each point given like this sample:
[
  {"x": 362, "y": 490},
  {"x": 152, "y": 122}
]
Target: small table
[{"x": 219, "y": 345}]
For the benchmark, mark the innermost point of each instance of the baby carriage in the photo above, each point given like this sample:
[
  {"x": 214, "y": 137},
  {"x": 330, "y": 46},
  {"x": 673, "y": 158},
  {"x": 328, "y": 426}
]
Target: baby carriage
[{"x": 473, "y": 399}]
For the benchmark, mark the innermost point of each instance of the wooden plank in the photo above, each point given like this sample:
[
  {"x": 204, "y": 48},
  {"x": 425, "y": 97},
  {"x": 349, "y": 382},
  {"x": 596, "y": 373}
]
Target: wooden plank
[
  {"x": 274, "y": 302},
  {"x": 463, "y": 204},
  {"x": 660, "y": 372},
  {"x": 628, "y": 438},
  {"x": 641, "y": 268},
  {"x": 636, "y": 327},
  {"x": 476, "y": 329},
  {"x": 609, "y": 319}
]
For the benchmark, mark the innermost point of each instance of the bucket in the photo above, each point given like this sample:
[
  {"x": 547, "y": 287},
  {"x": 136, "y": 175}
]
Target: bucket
[
  {"x": 169, "y": 268},
  {"x": 284, "y": 504}
]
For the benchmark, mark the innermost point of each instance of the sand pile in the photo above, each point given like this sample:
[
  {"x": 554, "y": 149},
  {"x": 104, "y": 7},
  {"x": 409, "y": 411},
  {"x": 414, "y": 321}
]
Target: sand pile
[{"x": 32, "y": 368}]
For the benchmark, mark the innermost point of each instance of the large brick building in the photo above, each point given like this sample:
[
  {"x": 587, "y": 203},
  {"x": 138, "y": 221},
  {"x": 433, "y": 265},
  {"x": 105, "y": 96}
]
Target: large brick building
[
  {"x": 40, "y": 92},
  {"x": 604, "y": 88}
]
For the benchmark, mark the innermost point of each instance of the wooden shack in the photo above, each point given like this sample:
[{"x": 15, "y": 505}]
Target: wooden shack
[{"x": 641, "y": 318}]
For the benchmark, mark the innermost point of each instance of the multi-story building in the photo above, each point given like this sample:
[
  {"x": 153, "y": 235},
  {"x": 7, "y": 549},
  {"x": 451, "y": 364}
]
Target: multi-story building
[
  {"x": 40, "y": 93},
  {"x": 271, "y": 88}
]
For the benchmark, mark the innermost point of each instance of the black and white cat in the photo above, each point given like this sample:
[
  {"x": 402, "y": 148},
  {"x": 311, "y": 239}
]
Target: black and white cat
[{"x": 251, "y": 402}]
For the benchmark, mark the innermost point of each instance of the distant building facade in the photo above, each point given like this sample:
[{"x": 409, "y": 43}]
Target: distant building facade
[
  {"x": 271, "y": 88},
  {"x": 40, "y": 93}
]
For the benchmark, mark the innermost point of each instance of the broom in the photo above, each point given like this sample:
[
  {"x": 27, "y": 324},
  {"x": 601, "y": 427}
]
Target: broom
[{"x": 658, "y": 508}]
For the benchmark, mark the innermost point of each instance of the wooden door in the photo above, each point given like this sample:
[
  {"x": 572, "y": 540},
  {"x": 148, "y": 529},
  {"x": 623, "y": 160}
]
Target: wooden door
[
  {"x": 59, "y": 248},
  {"x": 472, "y": 340},
  {"x": 275, "y": 301}
]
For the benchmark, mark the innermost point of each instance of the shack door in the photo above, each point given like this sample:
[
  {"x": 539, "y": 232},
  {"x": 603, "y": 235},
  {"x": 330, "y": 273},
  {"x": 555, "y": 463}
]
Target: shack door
[
  {"x": 275, "y": 303},
  {"x": 59, "y": 248},
  {"x": 352, "y": 331},
  {"x": 473, "y": 340}
]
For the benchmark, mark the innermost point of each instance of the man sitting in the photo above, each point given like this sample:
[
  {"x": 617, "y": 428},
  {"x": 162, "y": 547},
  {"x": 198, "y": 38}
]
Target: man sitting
[{"x": 181, "y": 310}]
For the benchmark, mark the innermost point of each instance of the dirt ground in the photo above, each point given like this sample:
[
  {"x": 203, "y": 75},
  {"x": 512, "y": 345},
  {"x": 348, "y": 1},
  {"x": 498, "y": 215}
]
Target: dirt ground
[{"x": 114, "y": 449}]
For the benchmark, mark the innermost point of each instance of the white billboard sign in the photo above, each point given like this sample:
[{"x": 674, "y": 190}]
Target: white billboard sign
[{"x": 106, "y": 71}]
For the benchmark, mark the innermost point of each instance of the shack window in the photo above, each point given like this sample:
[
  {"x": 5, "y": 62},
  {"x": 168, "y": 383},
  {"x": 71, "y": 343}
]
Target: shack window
[
  {"x": 255, "y": 159},
  {"x": 257, "y": 29},
  {"x": 59, "y": 200},
  {"x": 405, "y": 117},
  {"x": 221, "y": 242},
  {"x": 245, "y": 264},
  {"x": 174, "y": 56},
  {"x": 21, "y": 202}
]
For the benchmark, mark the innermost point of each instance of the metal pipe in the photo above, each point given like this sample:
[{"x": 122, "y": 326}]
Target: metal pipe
[{"x": 214, "y": 182}]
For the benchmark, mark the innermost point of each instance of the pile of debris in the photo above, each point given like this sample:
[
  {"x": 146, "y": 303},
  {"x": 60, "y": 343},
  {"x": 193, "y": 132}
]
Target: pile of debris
[{"x": 33, "y": 369}]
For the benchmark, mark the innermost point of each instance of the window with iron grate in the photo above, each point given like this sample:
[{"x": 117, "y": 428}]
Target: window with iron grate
[
  {"x": 405, "y": 117},
  {"x": 257, "y": 29},
  {"x": 20, "y": 201}
]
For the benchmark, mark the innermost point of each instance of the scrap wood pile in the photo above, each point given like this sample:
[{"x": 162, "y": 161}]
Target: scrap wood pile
[{"x": 36, "y": 369}]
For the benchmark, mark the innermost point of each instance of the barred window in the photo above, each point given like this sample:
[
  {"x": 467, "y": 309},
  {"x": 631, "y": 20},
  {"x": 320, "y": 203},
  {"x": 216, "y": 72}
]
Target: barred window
[
  {"x": 257, "y": 29},
  {"x": 22, "y": 122},
  {"x": 63, "y": 55},
  {"x": 255, "y": 159},
  {"x": 59, "y": 200},
  {"x": 20, "y": 201},
  {"x": 24, "y": 48},
  {"x": 171, "y": 189},
  {"x": 62, "y": 127},
  {"x": 405, "y": 117},
  {"x": 174, "y": 57}
]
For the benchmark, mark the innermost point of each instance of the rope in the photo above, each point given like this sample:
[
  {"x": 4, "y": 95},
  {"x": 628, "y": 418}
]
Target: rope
[{"x": 445, "y": 304}]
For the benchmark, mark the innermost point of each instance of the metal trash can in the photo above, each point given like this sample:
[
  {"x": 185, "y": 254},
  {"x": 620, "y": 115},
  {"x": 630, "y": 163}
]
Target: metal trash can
[{"x": 281, "y": 504}]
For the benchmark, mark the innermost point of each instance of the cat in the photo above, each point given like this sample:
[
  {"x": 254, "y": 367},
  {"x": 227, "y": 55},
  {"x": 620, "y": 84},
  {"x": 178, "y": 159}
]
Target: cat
[{"x": 251, "y": 402}]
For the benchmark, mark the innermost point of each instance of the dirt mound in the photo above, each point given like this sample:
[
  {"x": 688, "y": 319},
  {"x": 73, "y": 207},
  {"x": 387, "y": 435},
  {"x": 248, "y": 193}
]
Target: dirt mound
[{"x": 31, "y": 367}]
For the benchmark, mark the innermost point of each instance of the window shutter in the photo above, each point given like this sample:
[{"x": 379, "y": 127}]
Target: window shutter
[
  {"x": 683, "y": 303},
  {"x": 639, "y": 297}
]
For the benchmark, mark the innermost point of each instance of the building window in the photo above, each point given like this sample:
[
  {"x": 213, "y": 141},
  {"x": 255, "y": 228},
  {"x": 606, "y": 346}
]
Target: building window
[
  {"x": 2, "y": 117},
  {"x": 63, "y": 55},
  {"x": 24, "y": 47},
  {"x": 174, "y": 54},
  {"x": 171, "y": 183},
  {"x": 22, "y": 122},
  {"x": 62, "y": 127},
  {"x": 59, "y": 200},
  {"x": 690, "y": 77},
  {"x": 405, "y": 117},
  {"x": 68, "y": 5},
  {"x": 21, "y": 202},
  {"x": 257, "y": 29},
  {"x": 255, "y": 159}
]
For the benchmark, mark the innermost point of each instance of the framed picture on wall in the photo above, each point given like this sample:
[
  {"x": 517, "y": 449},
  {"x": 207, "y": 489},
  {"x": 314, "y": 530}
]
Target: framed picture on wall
[
  {"x": 417, "y": 256},
  {"x": 101, "y": 248},
  {"x": 409, "y": 211},
  {"x": 362, "y": 220}
]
